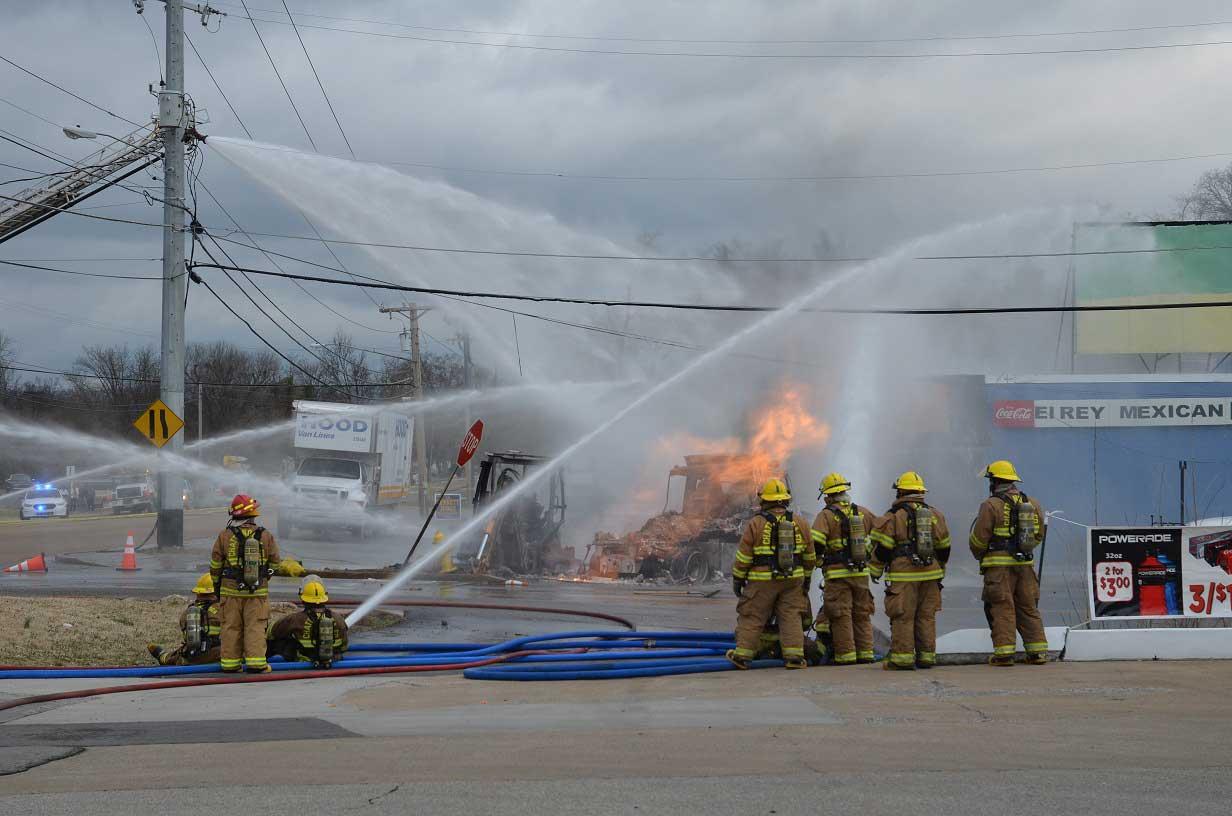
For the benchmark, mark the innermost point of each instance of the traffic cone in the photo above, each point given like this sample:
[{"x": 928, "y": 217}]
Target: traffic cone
[
  {"x": 128, "y": 561},
  {"x": 36, "y": 564}
]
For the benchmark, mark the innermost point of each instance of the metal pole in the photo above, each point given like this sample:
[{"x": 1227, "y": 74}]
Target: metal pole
[
  {"x": 1183, "y": 465},
  {"x": 468, "y": 383},
  {"x": 171, "y": 115},
  {"x": 200, "y": 411},
  {"x": 421, "y": 450}
]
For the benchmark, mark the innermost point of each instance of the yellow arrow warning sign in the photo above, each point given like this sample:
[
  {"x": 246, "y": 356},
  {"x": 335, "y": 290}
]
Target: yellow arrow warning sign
[{"x": 158, "y": 423}]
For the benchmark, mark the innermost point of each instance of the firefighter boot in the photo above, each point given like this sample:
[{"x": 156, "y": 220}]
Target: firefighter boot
[
  {"x": 739, "y": 661},
  {"x": 155, "y": 651},
  {"x": 890, "y": 665},
  {"x": 795, "y": 663},
  {"x": 1001, "y": 660},
  {"x": 1037, "y": 658}
]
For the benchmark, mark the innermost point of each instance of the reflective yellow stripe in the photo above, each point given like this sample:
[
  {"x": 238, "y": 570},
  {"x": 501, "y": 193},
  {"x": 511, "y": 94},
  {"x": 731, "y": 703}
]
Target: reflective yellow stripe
[
  {"x": 766, "y": 575},
  {"x": 841, "y": 571},
  {"x": 1002, "y": 559},
  {"x": 740, "y": 652},
  {"x": 257, "y": 662},
  {"x": 228, "y": 592},
  {"x": 230, "y": 663},
  {"x": 915, "y": 577},
  {"x": 744, "y": 559},
  {"x": 739, "y": 573},
  {"x": 1036, "y": 647},
  {"x": 819, "y": 537},
  {"x": 793, "y": 651},
  {"x": 214, "y": 564},
  {"x": 902, "y": 658},
  {"x": 865, "y": 654},
  {"x": 845, "y": 657},
  {"x": 1004, "y": 650},
  {"x": 926, "y": 657},
  {"x": 943, "y": 544},
  {"x": 976, "y": 543},
  {"x": 881, "y": 538}
]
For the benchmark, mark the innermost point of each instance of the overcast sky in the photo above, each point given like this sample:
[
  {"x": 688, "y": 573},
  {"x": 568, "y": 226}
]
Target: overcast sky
[{"x": 601, "y": 114}]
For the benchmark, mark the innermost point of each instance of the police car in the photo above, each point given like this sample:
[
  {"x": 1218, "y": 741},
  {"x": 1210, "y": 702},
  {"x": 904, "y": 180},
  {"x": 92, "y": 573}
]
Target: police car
[{"x": 43, "y": 501}]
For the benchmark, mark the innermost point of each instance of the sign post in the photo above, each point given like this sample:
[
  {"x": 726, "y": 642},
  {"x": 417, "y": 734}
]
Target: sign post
[{"x": 470, "y": 444}]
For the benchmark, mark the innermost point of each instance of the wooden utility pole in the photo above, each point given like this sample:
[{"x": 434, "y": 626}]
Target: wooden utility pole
[{"x": 415, "y": 392}]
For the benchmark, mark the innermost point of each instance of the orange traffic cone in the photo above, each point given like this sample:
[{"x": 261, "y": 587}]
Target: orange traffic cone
[
  {"x": 128, "y": 561},
  {"x": 36, "y": 564}
]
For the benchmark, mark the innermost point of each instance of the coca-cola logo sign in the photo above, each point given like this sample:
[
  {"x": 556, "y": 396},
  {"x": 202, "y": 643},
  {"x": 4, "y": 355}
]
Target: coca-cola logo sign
[{"x": 1014, "y": 413}]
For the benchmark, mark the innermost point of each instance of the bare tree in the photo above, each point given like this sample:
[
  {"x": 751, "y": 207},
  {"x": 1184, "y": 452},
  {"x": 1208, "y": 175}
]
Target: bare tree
[
  {"x": 7, "y": 349},
  {"x": 1210, "y": 198}
]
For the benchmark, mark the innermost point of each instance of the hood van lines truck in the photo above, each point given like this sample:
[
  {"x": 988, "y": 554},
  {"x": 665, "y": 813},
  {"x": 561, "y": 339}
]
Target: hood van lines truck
[{"x": 349, "y": 461}]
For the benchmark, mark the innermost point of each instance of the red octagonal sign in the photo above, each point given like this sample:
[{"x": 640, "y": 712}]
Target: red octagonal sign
[{"x": 471, "y": 443}]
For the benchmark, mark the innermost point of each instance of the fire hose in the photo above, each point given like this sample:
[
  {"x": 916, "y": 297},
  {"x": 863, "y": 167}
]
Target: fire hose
[
  {"x": 543, "y": 610},
  {"x": 563, "y": 656}
]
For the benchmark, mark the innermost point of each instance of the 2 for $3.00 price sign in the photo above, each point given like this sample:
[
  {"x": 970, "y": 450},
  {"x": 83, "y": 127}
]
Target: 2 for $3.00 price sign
[{"x": 1114, "y": 581}]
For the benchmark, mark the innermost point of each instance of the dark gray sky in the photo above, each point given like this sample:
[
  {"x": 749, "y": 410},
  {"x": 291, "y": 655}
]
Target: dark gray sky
[{"x": 518, "y": 109}]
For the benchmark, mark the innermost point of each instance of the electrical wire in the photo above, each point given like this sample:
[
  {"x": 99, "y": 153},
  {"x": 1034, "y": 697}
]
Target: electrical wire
[
  {"x": 278, "y": 74},
  {"x": 12, "y": 104},
  {"x": 763, "y": 56},
  {"x": 62, "y": 89},
  {"x": 158, "y": 58},
  {"x": 808, "y": 179},
  {"x": 83, "y": 274},
  {"x": 317, "y": 76},
  {"x": 30, "y": 369},
  {"x": 611, "y": 38},
  {"x": 978, "y": 310},
  {"x": 210, "y": 74}
]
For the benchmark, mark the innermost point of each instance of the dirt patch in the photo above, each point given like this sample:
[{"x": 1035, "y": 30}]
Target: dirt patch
[{"x": 36, "y": 631}]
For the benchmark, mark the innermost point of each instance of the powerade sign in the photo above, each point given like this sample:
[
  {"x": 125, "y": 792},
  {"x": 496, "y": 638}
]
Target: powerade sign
[
  {"x": 1160, "y": 572},
  {"x": 339, "y": 432},
  {"x": 1113, "y": 413}
]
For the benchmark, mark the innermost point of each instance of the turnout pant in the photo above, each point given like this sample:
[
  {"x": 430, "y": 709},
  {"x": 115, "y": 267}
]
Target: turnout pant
[
  {"x": 849, "y": 609},
  {"x": 1011, "y": 604},
  {"x": 244, "y": 619},
  {"x": 912, "y": 608},
  {"x": 760, "y": 600},
  {"x": 176, "y": 657}
]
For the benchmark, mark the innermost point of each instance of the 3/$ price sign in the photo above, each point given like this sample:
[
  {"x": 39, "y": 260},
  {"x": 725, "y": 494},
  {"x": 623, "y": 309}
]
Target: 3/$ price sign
[
  {"x": 1114, "y": 581},
  {"x": 1211, "y": 598}
]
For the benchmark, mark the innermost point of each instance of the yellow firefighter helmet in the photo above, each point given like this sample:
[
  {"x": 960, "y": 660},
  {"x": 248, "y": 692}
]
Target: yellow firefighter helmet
[
  {"x": 313, "y": 592},
  {"x": 205, "y": 585},
  {"x": 834, "y": 483},
  {"x": 910, "y": 482},
  {"x": 775, "y": 490},
  {"x": 1002, "y": 469}
]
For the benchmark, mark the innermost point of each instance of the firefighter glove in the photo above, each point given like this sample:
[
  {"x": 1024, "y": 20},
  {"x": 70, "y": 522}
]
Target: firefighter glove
[
  {"x": 291, "y": 568},
  {"x": 738, "y": 586}
]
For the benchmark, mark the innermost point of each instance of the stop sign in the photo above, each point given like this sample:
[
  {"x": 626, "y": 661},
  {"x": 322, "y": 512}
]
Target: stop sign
[{"x": 471, "y": 443}]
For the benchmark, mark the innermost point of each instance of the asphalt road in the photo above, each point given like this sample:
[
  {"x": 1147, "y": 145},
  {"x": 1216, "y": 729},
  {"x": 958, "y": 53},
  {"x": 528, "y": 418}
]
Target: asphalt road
[
  {"x": 1127, "y": 738},
  {"x": 21, "y": 539}
]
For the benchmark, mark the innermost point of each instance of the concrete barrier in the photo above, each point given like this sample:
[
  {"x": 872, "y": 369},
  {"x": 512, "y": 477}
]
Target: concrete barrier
[{"x": 1149, "y": 644}]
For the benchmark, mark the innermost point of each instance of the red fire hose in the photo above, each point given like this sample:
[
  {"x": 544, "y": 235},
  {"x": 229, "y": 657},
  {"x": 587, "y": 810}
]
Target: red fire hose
[
  {"x": 545, "y": 610},
  {"x": 257, "y": 678}
]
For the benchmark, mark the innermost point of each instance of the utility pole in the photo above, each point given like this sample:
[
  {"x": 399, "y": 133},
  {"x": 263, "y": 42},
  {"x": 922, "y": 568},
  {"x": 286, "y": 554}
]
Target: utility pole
[
  {"x": 173, "y": 124},
  {"x": 468, "y": 382},
  {"x": 416, "y": 394}
]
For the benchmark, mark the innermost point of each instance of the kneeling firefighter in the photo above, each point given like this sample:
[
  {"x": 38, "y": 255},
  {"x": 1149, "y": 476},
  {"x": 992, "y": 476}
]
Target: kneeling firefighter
[
  {"x": 314, "y": 635},
  {"x": 244, "y": 557},
  {"x": 774, "y": 562},
  {"x": 201, "y": 628},
  {"x": 840, "y": 534},
  {"x": 1004, "y": 536},
  {"x": 911, "y": 545}
]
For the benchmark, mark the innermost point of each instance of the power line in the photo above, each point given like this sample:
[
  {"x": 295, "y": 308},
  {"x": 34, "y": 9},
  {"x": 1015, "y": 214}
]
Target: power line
[
  {"x": 979, "y": 310},
  {"x": 83, "y": 274},
  {"x": 210, "y": 74},
  {"x": 74, "y": 320},
  {"x": 151, "y": 380},
  {"x": 731, "y": 55},
  {"x": 82, "y": 214},
  {"x": 278, "y": 74},
  {"x": 318, "y": 79},
  {"x": 70, "y": 93},
  {"x": 611, "y": 38},
  {"x": 734, "y": 179},
  {"x": 12, "y": 104}
]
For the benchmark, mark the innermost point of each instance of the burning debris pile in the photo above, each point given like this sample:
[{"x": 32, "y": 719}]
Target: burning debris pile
[{"x": 698, "y": 542}]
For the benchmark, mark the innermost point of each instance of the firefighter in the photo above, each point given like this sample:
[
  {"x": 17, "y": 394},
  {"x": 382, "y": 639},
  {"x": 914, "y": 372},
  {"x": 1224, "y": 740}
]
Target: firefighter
[
  {"x": 244, "y": 557},
  {"x": 1006, "y": 531},
  {"x": 911, "y": 545},
  {"x": 201, "y": 628},
  {"x": 316, "y": 635},
  {"x": 774, "y": 562},
  {"x": 840, "y": 534}
]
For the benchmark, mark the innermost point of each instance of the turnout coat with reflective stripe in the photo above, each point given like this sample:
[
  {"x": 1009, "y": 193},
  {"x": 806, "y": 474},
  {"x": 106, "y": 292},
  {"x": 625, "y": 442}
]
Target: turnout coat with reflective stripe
[
  {"x": 993, "y": 524},
  {"x": 757, "y": 553}
]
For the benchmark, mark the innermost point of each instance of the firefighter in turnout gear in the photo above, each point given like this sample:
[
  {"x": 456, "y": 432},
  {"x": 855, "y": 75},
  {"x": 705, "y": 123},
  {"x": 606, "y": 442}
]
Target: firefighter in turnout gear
[
  {"x": 774, "y": 562},
  {"x": 201, "y": 628},
  {"x": 316, "y": 635},
  {"x": 244, "y": 557},
  {"x": 1007, "y": 529},
  {"x": 840, "y": 534},
  {"x": 911, "y": 545}
]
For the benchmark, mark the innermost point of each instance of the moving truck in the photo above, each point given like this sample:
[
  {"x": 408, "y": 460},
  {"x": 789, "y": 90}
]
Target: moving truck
[{"x": 350, "y": 460}]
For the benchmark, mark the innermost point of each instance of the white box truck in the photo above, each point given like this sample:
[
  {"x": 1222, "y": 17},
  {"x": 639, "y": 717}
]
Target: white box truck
[{"x": 349, "y": 461}]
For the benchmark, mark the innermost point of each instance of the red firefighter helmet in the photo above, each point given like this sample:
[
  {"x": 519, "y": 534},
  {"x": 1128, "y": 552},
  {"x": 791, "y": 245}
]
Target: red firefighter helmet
[{"x": 245, "y": 506}]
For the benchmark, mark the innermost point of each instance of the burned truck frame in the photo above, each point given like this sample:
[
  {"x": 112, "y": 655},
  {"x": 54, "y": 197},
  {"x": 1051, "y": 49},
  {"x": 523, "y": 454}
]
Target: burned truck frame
[
  {"x": 696, "y": 543},
  {"x": 523, "y": 538}
]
